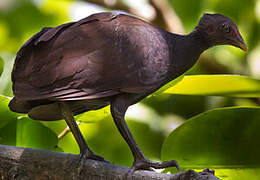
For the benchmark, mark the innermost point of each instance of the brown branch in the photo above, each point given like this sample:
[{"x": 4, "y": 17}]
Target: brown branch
[
  {"x": 25, "y": 163},
  {"x": 124, "y": 6},
  {"x": 63, "y": 133},
  {"x": 112, "y": 4},
  {"x": 166, "y": 14}
]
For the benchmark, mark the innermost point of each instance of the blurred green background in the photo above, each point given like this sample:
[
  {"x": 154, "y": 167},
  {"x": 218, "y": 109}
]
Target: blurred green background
[{"x": 154, "y": 118}]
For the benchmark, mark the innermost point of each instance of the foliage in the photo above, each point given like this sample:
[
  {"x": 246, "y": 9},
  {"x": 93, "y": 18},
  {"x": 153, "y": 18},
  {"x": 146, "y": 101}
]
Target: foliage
[
  {"x": 232, "y": 141},
  {"x": 223, "y": 138},
  {"x": 217, "y": 85},
  {"x": 1, "y": 66}
]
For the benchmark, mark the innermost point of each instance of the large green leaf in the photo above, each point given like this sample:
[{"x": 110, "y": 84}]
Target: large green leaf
[
  {"x": 5, "y": 78},
  {"x": 167, "y": 86},
  {"x": 56, "y": 126},
  {"x": 6, "y": 114},
  {"x": 31, "y": 133},
  {"x": 17, "y": 129},
  {"x": 225, "y": 139},
  {"x": 217, "y": 85},
  {"x": 8, "y": 134},
  {"x": 8, "y": 123},
  {"x": 93, "y": 116},
  {"x": 1, "y": 66}
]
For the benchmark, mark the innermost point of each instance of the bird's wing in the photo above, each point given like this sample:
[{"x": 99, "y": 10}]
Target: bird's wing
[{"x": 94, "y": 57}]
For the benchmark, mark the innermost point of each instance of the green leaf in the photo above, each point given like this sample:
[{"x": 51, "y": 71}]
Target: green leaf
[
  {"x": 226, "y": 139},
  {"x": 8, "y": 134},
  {"x": 68, "y": 143},
  {"x": 5, "y": 113},
  {"x": 94, "y": 115},
  {"x": 168, "y": 85},
  {"x": 5, "y": 78},
  {"x": 217, "y": 85},
  {"x": 1, "y": 66},
  {"x": 31, "y": 133},
  {"x": 56, "y": 126}
]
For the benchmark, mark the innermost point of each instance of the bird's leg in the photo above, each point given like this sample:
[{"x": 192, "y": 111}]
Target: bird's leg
[
  {"x": 85, "y": 151},
  {"x": 118, "y": 108}
]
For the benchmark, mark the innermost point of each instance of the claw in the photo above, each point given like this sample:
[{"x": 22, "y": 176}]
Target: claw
[
  {"x": 207, "y": 171},
  {"x": 91, "y": 155},
  {"x": 145, "y": 164}
]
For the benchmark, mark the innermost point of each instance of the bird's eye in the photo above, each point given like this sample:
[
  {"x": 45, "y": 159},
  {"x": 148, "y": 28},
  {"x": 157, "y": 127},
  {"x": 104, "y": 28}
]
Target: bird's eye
[{"x": 226, "y": 28}]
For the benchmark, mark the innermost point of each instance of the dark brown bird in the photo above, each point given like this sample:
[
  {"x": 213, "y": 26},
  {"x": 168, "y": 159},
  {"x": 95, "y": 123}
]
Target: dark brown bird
[{"x": 107, "y": 59}]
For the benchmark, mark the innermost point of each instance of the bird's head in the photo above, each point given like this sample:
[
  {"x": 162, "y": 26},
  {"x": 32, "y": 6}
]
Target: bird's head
[{"x": 220, "y": 30}]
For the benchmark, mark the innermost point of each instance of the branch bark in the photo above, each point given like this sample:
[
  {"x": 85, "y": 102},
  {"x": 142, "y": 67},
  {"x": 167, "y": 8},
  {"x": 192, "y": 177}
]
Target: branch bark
[
  {"x": 167, "y": 15},
  {"x": 26, "y": 164}
]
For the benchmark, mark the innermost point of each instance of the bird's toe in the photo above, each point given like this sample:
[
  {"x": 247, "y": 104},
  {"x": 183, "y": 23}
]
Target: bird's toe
[{"x": 145, "y": 164}]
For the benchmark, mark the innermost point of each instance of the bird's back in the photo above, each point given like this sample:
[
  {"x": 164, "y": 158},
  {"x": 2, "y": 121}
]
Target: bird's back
[{"x": 97, "y": 57}]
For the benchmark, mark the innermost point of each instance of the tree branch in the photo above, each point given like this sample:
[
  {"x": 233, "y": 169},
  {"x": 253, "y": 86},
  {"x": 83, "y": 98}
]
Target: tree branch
[
  {"x": 166, "y": 14},
  {"x": 25, "y": 163},
  {"x": 112, "y": 4}
]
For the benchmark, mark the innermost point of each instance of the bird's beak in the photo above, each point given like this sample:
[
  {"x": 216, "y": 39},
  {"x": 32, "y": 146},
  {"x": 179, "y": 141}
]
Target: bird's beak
[
  {"x": 242, "y": 45},
  {"x": 239, "y": 42}
]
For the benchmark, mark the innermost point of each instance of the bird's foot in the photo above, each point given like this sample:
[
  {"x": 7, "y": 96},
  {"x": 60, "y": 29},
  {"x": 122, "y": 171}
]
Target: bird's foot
[
  {"x": 207, "y": 171},
  {"x": 145, "y": 164},
  {"x": 90, "y": 155}
]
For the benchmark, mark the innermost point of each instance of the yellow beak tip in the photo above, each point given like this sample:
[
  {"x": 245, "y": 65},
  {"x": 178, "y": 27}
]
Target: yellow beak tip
[{"x": 243, "y": 46}]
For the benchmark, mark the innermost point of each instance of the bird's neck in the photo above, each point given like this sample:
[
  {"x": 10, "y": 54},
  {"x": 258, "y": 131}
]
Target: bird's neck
[
  {"x": 185, "y": 51},
  {"x": 198, "y": 40}
]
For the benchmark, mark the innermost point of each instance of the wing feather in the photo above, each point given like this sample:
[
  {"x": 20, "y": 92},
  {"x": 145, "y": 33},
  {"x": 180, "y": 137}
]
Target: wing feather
[{"x": 92, "y": 58}]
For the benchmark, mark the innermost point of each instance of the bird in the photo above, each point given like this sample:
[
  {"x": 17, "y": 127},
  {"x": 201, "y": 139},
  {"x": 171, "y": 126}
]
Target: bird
[{"x": 108, "y": 58}]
